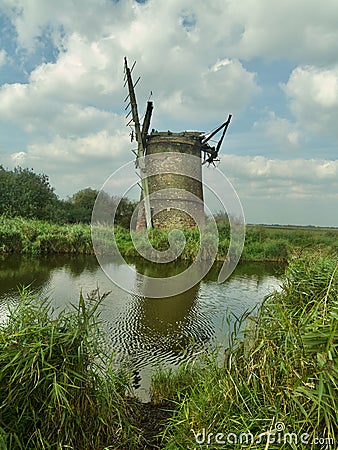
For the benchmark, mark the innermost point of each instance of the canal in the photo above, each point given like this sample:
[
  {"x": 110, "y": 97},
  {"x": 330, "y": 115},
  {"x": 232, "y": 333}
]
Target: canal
[{"x": 144, "y": 333}]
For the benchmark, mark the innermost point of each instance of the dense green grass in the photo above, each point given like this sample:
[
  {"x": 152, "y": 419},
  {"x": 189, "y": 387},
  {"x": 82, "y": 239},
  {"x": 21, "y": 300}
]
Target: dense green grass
[
  {"x": 279, "y": 243},
  {"x": 57, "y": 388},
  {"x": 262, "y": 243},
  {"x": 286, "y": 371},
  {"x": 35, "y": 237}
]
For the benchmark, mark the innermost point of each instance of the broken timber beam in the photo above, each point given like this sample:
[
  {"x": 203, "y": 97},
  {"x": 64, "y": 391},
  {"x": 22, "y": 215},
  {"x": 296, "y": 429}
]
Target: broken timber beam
[{"x": 140, "y": 142}]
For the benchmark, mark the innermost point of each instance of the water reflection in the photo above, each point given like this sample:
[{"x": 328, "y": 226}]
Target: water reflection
[
  {"x": 141, "y": 331},
  {"x": 161, "y": 330}
]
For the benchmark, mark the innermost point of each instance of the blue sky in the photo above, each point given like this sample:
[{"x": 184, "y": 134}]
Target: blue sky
[{"x": 272, "y": 64}]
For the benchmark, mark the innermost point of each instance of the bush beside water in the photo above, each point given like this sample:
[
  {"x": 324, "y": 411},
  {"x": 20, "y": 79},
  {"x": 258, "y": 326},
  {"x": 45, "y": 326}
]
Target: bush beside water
[{"x": 35, "y": 237}]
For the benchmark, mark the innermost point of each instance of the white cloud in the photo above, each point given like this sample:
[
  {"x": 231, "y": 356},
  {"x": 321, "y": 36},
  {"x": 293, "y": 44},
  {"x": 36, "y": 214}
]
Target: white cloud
[
  {"x": 74, "y": 163},
  {"x": 245, "y": 29},
  {"x": 313, "y": 96},
  {"x": 186, "y": 74},
  {"x": 300, "y": 29},
  {"x": 98, "y": 146},
  {"x": 225, "y": 87},
  {"x": 281, "y": 133},
  {"x": 41, "y": 115},
  {"x": 85, "y": 71},
  {"x": 18, "y": 158},
  {"x": 258, "y": 176},
  {"x": 57, "y": 19}
]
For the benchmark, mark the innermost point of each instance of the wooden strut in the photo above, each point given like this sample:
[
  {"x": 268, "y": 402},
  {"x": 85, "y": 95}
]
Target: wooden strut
[
  {"x": 214, "y": 151},
  {"x": 225, "y": 125},
  {"x": 140, "y": 138}
]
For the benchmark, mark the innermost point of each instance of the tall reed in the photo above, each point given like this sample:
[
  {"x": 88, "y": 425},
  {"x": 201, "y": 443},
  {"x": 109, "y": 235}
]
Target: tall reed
[
  {"x": 57, "y": 387},
  {"x": 283, "y": 378},
  {"x": 34, "y": 237}
]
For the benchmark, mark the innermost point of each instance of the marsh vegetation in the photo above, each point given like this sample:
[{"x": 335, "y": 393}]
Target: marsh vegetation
[
  {"x": 263, "y": 243},
  {"x": 59, "y": 389}
]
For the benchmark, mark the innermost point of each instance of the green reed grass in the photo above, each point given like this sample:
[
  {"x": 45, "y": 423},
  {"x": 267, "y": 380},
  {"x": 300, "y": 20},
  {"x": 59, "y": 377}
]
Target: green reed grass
[
  {"x": 57, "y": 388},
  {"x": 33, "y": 237},
  {"x": 278, "y": 243},
  {"x": 285, "y": 371}
]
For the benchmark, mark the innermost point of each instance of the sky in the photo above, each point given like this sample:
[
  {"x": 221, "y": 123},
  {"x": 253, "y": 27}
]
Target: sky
[{"x": 272, "y": 64}]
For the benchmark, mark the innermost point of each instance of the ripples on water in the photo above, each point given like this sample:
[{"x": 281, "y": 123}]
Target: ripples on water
[{"x": 143, "y": 332}]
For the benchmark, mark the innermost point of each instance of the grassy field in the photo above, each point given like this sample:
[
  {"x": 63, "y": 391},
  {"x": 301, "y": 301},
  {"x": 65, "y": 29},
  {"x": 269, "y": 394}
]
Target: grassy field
[
  {"x": 58, "y": 390},
  {"x": 263, "y": 243},
  {"x": 273, "y": 242}
]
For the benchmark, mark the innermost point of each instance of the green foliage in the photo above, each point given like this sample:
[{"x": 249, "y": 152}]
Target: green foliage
[
  {"x": 19, "y": 235},
  {"x": 85, "y": 198},
  {"x": 34, "y": 237},
  {"x": 124, "y": 211},
  {"x": 278, "y": 243},
  {"x": 110, "y": 209},
  {"x": 82, "y": 205},
  {"x": 285, "y": 370},
  {"x": 27, "y": 194},
  {"x": 57, "y": 387}
]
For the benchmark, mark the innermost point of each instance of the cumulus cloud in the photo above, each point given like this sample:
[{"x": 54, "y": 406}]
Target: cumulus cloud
[
  {"x": 76, "y": 162},
  {"x": 282, "y": 134},
  {"x": 300, "y": 30},
  {"x": 193, "y": 56},
  {"x": 297, "y": 178},
  {"x": 313, "y": 96},
  {"x": 184, "y": 71},
  {"x": 63, "y": 151},
  {"x": 225, "y": 86},
  {"x": 58, "y": 19},
  {"x": 245, "y": 29}
]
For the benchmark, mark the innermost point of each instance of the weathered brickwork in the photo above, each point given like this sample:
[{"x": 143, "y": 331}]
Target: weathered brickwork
[{"x": 181, "y": 204}]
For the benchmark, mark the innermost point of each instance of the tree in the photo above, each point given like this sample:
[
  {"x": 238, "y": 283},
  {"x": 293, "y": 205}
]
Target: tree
[
  {"x": 124, "y": 212},
  {"x": 27, "y": 194},
  {"x": 83, "y": 203},
  {"x": 85, "y": 198},
  {"x": 30, "y": 195},
  {"x": 114, "y": 207}
]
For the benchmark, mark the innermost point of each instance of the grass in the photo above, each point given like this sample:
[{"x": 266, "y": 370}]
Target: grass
[
  {"x": 57, "y": 388},
  {"x": 279, "y": 242},
  {"x": 262, "y": 243},
  {"x": 284, "y": 373},
  {"x": 35, "y": 237}
]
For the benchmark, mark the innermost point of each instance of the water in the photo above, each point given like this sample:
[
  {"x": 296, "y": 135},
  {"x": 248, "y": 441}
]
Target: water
[{"x": 143, "y": 332}]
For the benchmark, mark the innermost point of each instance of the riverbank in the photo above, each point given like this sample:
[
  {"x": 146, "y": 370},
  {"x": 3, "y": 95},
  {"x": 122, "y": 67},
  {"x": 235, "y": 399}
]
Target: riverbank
[
  {"x": 57, "y": 387},
  {"x": 263, "y": 243},
  {"x": 281, "y": 381}
]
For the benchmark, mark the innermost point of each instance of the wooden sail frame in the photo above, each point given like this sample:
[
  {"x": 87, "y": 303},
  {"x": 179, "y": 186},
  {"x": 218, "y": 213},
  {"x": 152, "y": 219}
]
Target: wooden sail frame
[{"x": 140, "y": 138}]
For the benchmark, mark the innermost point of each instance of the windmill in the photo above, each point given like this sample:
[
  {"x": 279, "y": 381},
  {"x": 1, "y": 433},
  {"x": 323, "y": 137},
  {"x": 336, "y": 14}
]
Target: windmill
[{"x": 183, "y": 200}]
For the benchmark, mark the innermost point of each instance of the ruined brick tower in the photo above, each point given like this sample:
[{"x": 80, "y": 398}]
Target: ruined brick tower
[{"x": 171, "y": 182}]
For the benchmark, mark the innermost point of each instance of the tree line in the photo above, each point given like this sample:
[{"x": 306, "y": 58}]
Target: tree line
[{"x": 30, "y": 195}]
